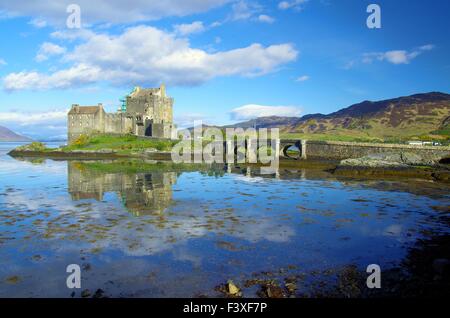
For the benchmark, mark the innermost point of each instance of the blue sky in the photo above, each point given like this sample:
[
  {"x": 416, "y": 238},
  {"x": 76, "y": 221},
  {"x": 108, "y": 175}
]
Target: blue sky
[{"x": 222, "y": 60}]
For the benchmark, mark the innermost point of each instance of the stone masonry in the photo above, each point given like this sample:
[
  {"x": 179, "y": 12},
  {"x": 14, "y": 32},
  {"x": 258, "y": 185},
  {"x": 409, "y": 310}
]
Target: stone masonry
[{"x": 145, "y": 112}]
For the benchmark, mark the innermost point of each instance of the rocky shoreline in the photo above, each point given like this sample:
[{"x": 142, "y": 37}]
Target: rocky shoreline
[
  {"x": 405, "y": 164},
  {"x": 89, "y": 154}
]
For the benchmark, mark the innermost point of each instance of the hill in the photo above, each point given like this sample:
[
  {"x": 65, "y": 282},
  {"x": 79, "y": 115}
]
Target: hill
[
  {"x": 8, "y": 135},
  {"x": 420, "y": 116},
  {"x": 423, "y": 116}
]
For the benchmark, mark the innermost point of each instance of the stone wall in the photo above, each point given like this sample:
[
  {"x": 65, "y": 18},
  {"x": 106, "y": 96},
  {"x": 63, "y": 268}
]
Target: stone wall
[
  {"x": 79, "y": 124},
  {"x": 117, "y": 124},
  {"x": 343, "y": 150}
]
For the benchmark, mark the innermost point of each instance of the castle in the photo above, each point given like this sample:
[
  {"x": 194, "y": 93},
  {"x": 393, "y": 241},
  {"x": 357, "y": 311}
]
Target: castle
[{"x": 144, "y": 112}]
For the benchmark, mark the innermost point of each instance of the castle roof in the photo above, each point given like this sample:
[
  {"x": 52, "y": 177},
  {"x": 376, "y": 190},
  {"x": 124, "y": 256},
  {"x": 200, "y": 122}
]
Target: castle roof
[{"x": 85, "y": 109}]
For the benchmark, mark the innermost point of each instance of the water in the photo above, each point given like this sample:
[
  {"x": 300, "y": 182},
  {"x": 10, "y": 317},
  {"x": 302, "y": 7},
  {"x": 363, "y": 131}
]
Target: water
[{"x": 169, "y": 233}]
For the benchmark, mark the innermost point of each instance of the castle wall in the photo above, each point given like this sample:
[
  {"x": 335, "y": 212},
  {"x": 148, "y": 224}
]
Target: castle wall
[
  {"x": 154, "y": 107},
  {"x": 79, "y": 124},
  {"x": 118, "y": 124},
  {"x": 159, "y": 130}
]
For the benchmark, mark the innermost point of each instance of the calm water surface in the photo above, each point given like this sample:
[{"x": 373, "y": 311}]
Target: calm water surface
[{"x": 180, "y": 234}]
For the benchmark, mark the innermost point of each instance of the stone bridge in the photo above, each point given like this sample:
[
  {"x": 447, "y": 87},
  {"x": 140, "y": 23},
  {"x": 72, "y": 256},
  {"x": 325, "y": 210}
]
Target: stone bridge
[
  {"x": 336, "y": 150},
  {"x": 282, "y": 144}
]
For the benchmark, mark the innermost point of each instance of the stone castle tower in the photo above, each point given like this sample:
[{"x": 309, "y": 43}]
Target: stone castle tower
[{"x": 144, "y": 112}]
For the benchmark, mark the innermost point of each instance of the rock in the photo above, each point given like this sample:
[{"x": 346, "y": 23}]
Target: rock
[
  {"x": 441, "y": 176},
  {"x": 273, "y": 291},
  {"x": 85, "y": 293},
  {"x": 106, "y": 150},
  {"x": 232, "y": 288},
  {"x": 150, "y": 150},
  {"x": 291, "y": 287},
  {"x": 441, "y": 266},
  {"x": 86, "y": 266},
  {"x": 99, "y": 293},
  {"x": 89, "y": 151},
  {"x": 394, "y": 159},
  {"x": 371, "y": 163},
  {"x": 414, "y": 159},
  {"x": 13, "y": 279},
  {"x": 36, "y": 257}
]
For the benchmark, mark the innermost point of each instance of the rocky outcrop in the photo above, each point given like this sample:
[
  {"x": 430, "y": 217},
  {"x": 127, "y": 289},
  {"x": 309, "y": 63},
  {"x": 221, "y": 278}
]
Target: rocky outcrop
[
  {"x": 383, "y": 160},
  {"x": 394, "y": 165}
]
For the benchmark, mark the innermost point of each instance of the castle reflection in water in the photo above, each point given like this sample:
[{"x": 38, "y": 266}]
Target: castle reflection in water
[
  {"x": 141, "y": 193},
  {"x": 144, "y": 193}
]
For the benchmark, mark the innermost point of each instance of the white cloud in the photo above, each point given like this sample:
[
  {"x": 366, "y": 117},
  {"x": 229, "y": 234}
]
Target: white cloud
[
  {"x": 38, "y": 23},
  {"x": 294, "y": 4},
  {"x": 244, "y": 10},
  {"x": 427, "y": 47},
  {"x": 266, "y": 19},
  {"x": 48, "y": 49},
  {"x": 113, "y": 11},
  {"x": 2, "y": 62},
  {"x": 147, "y": 56},
  {"x": 42, "y": 125},
  {"x": 72, "y": 34},
  {"x": 190, "y": 28},
  {"x": 250, "y": 111},
  {"x": 48, "y": 118},
  {"x": 72, "y": 77},
  {"x": 396, "y": 56},
  {"x": 215, "y": 24},
  {"x": 302, "y": 78}
]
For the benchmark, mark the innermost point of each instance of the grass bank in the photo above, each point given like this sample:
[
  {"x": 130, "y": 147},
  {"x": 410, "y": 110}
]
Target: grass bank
[
  {"x": 121, "y": 144},
  {"x": 357, "y": 136}
]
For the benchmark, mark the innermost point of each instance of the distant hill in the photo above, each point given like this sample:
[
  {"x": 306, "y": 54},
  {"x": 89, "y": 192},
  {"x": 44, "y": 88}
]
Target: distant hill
[
  {"x": 8, "y": 135},
  {"x": 404, "y": 117},
  {"x": 266, "y": 122},
  {"x": 425, "y": 116}
]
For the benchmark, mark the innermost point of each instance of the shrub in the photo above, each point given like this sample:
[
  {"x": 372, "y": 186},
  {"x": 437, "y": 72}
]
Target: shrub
[
  {"x": 34, "y": 146},
  {"x": 82, "y": 140}
]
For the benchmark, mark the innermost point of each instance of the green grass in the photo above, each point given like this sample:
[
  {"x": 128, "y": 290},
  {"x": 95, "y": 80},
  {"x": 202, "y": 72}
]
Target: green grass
[
  {"x": 330, "y": 137},
  {"x": 123, "y": 144},
  {"x": 443, "y": 132},
  {"x": 435, "y": 136}
]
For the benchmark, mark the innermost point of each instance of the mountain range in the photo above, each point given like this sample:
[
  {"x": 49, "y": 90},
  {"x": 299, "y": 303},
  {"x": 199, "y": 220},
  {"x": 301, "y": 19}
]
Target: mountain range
[
  {"x": 423, "y": 116},
  {"x": 8, "y": 135}
]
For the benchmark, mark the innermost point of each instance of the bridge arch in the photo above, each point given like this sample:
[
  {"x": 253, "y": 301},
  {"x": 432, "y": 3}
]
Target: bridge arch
[{"x": 291, "y": 149}]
